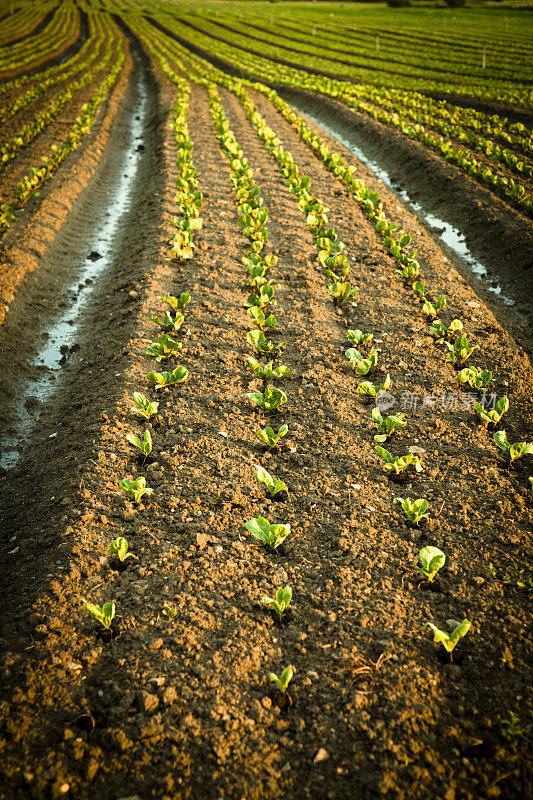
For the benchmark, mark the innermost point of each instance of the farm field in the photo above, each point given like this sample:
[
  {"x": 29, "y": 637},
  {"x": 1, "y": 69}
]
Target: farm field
[{"x": 266, "y": 443}]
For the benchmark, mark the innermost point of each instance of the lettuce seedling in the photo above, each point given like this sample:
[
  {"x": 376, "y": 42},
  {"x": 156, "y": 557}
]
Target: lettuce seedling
[
  {"x": 449, "y": 640},
  {"x": 268, "y": 371},
  {"x": 136, "y": 489},
  {"x": 419, "y": 289},
  {"x": 432, "y": 309},
  {"x": 269, "y": 400},
  {"x": 169, "y": 322},
  {"x": 442, "y": 332},
  {"x": 398, "y": 464},
  {"x": 359, "y": 338},
  {"x": 144, "y": 406},
  {"x": 162, "y": 379},
  {"x": 119, "y": 548},
  {"x": 103, "y": 614},
  {"x": 342, "y": 291},
  {"x": 283, "y": 682},
  {"x": 258, "y": 340},
  {"x": 512, "y": 451},
  {"x": 177, "y": 302},
  {"x": 359, "y": 363},
  {"x": 410, "y": 271},
  {"x": 258, "y": 317},
  {"x": 144, "y": 446},
  {"x": 388, "y": 425},
  {"x": 280, "y": 602},
  {"x": 165, "y": 347},
  {"x": 431, "y": 560},
  {"x": 373, "y": 389},
  {"x": 414, "y": 509},
  {"x": 271, "y": 535},
  {"x": 270, "y": 438},
  {"x": 494, "y": 416},
  {"x": 263, "y": 299},
  {"x": 273, "y": 485},
  {"x": 170, "y": 610},
  {"x": 460, "y": 350},
  {"x": 476, "y": 378}
]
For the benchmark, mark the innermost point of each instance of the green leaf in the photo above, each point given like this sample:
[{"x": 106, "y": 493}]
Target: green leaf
[{"x": 431, "y": 560}]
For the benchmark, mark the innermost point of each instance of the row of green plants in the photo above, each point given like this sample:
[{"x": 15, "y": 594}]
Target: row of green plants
[
  {"x": 82, "y": 60},
  {"x": 21, "y": 23}
]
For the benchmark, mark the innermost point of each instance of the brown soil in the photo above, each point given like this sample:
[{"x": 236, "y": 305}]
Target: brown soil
[{"x": 182, "y": 708}]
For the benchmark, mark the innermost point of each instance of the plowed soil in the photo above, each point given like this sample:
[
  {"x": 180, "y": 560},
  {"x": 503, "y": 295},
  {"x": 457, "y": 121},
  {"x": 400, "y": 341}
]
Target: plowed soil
[{"x": 180, "y": 706}]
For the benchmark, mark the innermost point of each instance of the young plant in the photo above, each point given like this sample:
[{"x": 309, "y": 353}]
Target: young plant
[
  {"x": 476, "y": 378},
  {"x": 271, "y": 535},
  {"x": 270, "y": 438},
  {"x": 280, "y": 602},
  {"x": 460, "y": 350},
  {"x": 103, "y": 614},
  {"x": 414, "y": 509},
  {"x": 144, "y": 446},
  {"x": 264, "y": 298},
  {"x": 177, "y": 302},
  {"x": 165, "y": 347},
  {"x": 419, "y": 290},
  {"x": 397, "y": 464},
  {"x": 169, "y": 610},
  {"x": 358, "y": 338},
  {"x": 342, "y": 291},
  {"x": 259, "y": 318},
  {"x": 269, "y": 400},
  {"x": 268, "y": 371},
  {"x": 119, "y": 548},
  {"x": 169, "y": 322},
  {"x": 512, "y": 451},
  {"x": 441, "y": 332},
  {"x": 373, "y": 389},
  {"x": 431, "y": 560},
  {"x": 449, "y": 640},
  {"x": 258, "y": 340},
  {"x": 162, "y": 379},
  {"x": 144, "y": 406},
  {"x": 387, "y": 425},
  {"x": 136, "y": 489},
  {"x": 273, "y": 485},
  {"x": 494, "y": 416},
  {"x": 359, "y": 363},
  {"x": 432, "y": 309},
  {"x": 283, "y": 682}
]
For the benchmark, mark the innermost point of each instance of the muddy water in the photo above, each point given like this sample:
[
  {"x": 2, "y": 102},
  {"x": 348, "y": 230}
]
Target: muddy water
[{"x": 91, "y": 259}]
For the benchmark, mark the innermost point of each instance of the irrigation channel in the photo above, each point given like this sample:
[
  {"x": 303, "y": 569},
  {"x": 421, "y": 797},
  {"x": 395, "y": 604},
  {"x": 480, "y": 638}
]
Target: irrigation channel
[{"x": 93, "y": 241}]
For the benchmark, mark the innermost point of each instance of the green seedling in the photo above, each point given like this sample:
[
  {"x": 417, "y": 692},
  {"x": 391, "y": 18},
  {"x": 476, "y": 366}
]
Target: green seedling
[
  {"x": 264, "y": 298},
  {"x": 258, "y": 340},
  {"x": 494, "y": 416},
  {"x": 449, "y": 640},
  {"x": 373, "y": 389},
  {"x": 273, "y": 485},
  {"x": 136, "y": 489},
  {"x": 144, "y": 445},
  {"x": 268, "y": 371},
  {"x": 419, "y": 289},
  {"x": 358, "y": 338},
  {"x": 170, "y": 611},
  {"x": 169, "y": 322},
  {"x": 520, "y": 579},
  {"x": 431, "y": 560},
  {"x": 410, "y": 271},
  {"x": 388, "y": 425},
  {"x": 342, "y": 291},
  {"x": 177, "y": 302},
  {"x": 414, "y": 509},
  {"x": 258, "y": 318},
  {"x": 270, "y": 438},
  {"x": 269, "y": 400},
  {"x": 460, "y": 350},
  {"x": 511, "y": 728},
  {"x": 103, "y": 614},
  {"x": 432, "y": 309},
  {"x": 144, "y": 406},
  {"x": 271, "y": 535},
  {"x": 162, "y": 379},
  {"x": 283, "y": 682},
  {"x": 397, "y": 464},
  {"x": 165, "y": 347},
  {"x": 476, "y": 378},
  {"x": 441, "y": 332},
  {"x": 119, "y": 548},
  {"x": 359, "y": 363},
  {"x": 280, "y": 602},
  {"x": 512, "y": 451}
]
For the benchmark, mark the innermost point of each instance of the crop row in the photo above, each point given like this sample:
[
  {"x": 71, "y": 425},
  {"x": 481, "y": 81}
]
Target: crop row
[{"x": 20, "y": 23}]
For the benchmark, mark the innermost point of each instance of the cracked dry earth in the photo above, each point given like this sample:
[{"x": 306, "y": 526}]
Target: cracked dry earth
[{"x": 181, "y": 708}]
